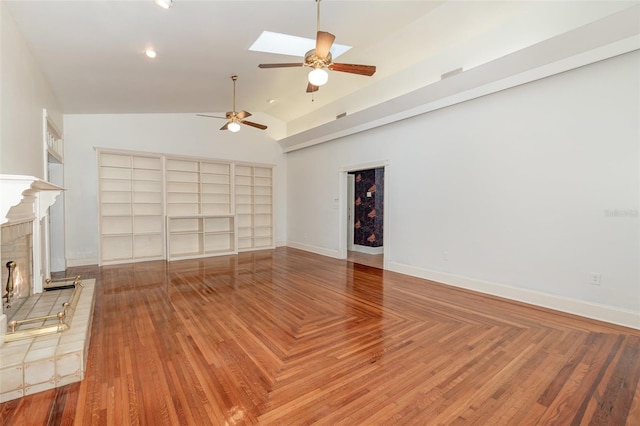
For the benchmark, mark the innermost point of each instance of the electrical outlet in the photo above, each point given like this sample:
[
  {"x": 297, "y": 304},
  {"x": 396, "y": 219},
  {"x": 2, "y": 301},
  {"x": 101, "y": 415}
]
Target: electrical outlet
[
  {"x": 445, "y": 256},
  {"x": 595, "y": 278}
]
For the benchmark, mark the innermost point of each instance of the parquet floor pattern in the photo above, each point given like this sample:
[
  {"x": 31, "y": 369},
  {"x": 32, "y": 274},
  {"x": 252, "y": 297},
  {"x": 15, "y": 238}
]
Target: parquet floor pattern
[{"x": 292, "y": 338}]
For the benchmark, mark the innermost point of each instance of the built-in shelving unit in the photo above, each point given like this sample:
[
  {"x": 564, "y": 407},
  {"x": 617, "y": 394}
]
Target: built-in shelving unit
[
  {"x": 254, "y": 206},
  {"x": 53, "y": 141},
  {"x": 131, "y": 207},
  {"x": 200, "y": 220},
  {"x": 199, "y": 236},
  {"x": 154, "y": 206},
  {"x": 53, "y": 241}
]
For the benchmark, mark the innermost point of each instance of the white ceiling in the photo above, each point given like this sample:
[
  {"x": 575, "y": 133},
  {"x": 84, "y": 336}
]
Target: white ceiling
[{"x": 91, "y": 51}]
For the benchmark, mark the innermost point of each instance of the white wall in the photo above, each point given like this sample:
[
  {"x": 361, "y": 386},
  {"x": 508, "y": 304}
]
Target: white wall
[
  {"x": 24, "y": 93},
  {"x": 516, "y": 186},
  {"x": 179, "y": 134}
]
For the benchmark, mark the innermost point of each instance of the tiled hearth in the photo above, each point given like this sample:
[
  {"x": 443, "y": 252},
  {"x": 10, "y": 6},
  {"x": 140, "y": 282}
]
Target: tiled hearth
[{"x": 39, "y": 363}]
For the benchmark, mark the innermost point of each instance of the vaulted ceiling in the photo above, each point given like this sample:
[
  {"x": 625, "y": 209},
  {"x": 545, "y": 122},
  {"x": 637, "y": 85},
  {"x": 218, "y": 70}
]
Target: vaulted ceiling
[{"x": 91, "y": 51}]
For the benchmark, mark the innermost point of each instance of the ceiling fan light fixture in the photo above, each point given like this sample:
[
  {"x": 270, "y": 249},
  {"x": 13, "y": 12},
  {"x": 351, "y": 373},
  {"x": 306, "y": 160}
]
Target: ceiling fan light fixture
[
  {"x": 318, "y": 77},
  {"x": 165, "y": 4},
  {"x": 233, "y": 127}
]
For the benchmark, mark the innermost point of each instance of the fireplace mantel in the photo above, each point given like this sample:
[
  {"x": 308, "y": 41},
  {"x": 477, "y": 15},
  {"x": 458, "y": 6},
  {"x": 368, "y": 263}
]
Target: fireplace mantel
[{"x": 25, "y": 198}]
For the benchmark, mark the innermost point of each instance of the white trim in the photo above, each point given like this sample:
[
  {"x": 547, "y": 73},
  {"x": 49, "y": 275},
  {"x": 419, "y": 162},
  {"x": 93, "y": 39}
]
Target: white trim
[
  {"x": 343, "y": 208},
  {"x": 314, "y": 249},
  {"x": 365, "y": 166},
  {"x": 573, "y": 306},
  {"x": 351, "y": 189},
  {"x": 368, "y": 250}
]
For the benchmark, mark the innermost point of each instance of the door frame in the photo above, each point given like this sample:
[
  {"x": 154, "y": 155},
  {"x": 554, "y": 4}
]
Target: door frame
[
  {"x": 351, "y": 183},
  {"x": 344, "y": 212}
]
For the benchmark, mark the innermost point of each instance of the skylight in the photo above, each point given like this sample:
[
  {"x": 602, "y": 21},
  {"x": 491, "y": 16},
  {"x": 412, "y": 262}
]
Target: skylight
[{"x": 285, "y": 44}]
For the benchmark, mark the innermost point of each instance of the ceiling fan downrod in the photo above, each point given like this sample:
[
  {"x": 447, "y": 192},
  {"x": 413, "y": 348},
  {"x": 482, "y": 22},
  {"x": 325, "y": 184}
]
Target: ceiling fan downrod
[
  {"x": 234, "y": 78},
  {"x": 318, "y": 16}
]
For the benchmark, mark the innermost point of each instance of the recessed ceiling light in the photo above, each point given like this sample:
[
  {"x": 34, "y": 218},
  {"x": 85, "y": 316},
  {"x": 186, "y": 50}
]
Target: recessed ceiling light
[
  {"x": 151, "y": 53},
  {"x": 285, "y": 44},
  {"x": 270, "y": 101},
  {"x": 165, "y": 4}
]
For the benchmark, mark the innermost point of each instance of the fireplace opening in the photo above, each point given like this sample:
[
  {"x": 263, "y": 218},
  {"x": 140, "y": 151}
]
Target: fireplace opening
[{"x": 17, "y": 279}]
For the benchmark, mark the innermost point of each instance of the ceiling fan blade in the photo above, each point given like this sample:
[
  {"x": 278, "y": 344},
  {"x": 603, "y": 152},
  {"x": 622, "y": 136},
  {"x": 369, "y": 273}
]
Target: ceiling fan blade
[
  {"x": 243, "y": 114},
  {"x": 312, "y": 88},
  {"x": 225, "y": 126},
  {"x": 354, "y": 69},
  {"x": 210, "y": 116},
  {"x": 324, "y": 41},
  {"x": 252, "y": 124},
  {"x": 285, "y": 65}
]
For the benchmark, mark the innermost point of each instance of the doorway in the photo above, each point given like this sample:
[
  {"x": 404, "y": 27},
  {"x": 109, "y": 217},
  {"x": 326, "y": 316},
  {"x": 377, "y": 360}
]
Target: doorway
[{"x": 363, "y": 229}]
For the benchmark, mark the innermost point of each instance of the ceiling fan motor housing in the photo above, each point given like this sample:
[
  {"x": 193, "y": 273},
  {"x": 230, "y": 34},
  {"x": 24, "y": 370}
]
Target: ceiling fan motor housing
[{"x": 311, "y": 60}]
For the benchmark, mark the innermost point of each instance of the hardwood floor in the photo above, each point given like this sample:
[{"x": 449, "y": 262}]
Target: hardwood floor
[
  {"x": 375, "y": 260},
  {"x": 288, "y": 337}
]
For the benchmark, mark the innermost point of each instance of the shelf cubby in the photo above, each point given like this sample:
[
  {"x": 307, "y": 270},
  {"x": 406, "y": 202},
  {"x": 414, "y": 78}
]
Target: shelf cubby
[{"x": 199, "y": 236}]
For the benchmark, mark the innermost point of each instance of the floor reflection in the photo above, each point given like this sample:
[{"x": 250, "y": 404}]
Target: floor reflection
[{"x": 373, "y": 260}]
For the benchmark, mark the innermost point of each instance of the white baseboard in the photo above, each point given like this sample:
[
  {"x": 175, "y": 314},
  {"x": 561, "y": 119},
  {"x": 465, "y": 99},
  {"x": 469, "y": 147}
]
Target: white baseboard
[
  {"x": 281, "y": 244},
  {"x": 314, "y": 249},
  {"x": 83, "y": 261},
  {"x": 564, "y": 304},
  {"x": 367, "y": 249}
]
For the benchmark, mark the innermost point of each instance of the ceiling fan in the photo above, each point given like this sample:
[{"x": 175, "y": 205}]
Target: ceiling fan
[
  {"x": 235, "y": 118},
  {"x": 320, "y": 58}
]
